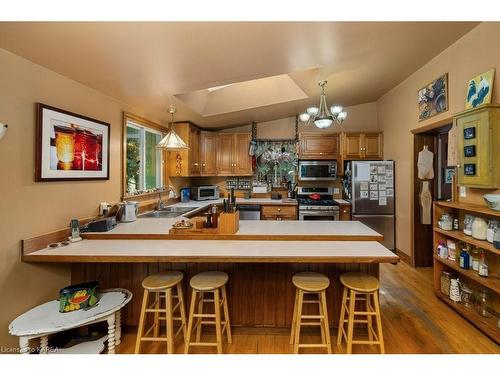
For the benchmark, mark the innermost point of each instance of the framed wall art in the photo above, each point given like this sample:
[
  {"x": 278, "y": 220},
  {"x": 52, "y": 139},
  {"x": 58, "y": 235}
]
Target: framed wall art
[
  {"x": 69, "y": 146},
  {"x": 479, "y": 89},
  {"x": 433, "y": 98}
]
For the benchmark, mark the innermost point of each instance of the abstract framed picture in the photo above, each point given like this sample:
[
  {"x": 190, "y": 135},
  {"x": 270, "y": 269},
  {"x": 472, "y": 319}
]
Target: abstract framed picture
[
  {"x": 479, "y": 89},
  {"x": 69, "y": 146},
  {"x": 433, "y": 98}
]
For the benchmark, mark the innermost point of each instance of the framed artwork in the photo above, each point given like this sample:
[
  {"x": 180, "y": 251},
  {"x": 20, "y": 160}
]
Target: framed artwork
[
  {"x": 433, "y": 98},
  {"x": 479, "y": 89},
  {"x": 69, "y": 146},
  {"x": 449, "y": 172}
]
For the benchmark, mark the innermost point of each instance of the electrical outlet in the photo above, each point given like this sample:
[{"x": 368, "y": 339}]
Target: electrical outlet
[
  {"x": 463, "y": 192},
  {"x": 103, "y": 208}
]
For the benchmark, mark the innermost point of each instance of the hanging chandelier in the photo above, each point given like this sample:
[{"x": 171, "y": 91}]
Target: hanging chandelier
[
  {"x": 322, "y": 116},
  {"x": 172, "y": 141}
]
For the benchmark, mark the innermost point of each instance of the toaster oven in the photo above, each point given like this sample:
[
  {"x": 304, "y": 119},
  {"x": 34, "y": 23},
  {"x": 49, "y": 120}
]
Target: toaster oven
[{"x": 204, "y": 193}]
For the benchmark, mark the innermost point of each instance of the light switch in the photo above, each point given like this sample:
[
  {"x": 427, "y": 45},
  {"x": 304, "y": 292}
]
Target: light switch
[{"x": 463, "y": 192}]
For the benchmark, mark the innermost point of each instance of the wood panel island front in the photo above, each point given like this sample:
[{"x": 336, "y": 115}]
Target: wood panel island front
[{"x": 260, "y": 259}]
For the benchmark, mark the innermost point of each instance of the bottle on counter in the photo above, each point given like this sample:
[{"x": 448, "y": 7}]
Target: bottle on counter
[
  {"x": 214, "y": 216},
  {"x": 483, "y": 265},
  {"x": 208, "y": 221}
]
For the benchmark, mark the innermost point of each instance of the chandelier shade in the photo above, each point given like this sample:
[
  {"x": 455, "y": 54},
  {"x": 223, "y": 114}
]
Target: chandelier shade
[
  {"x": 172, "y": 141},
  {"x": 322, "y": 116}
]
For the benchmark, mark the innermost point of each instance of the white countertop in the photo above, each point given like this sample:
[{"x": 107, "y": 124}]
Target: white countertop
[{"x": 217, "y": 251}]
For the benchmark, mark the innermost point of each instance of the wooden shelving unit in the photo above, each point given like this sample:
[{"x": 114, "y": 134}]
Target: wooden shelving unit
[{"x": 492, "y": 282}]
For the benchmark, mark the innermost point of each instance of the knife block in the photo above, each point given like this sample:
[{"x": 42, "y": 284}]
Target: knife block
[{"x": 229, "y": 222}]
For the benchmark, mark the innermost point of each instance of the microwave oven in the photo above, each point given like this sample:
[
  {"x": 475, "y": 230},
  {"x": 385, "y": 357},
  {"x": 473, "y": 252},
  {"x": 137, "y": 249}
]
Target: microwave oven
[
  {"x": 317, "y": 170},
  {"x": 204, "y": 193}
]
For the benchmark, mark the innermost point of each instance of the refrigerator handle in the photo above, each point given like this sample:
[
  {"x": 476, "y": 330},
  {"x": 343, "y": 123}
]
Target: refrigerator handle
[
  {"x": 373, "y": 215},
  {"x": 354, "y": 173}
]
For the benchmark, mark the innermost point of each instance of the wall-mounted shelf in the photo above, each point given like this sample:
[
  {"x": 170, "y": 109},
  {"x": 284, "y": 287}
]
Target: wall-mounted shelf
[
  {"x": 475, "y": 208},
  {"x": 458, "y": 235}
]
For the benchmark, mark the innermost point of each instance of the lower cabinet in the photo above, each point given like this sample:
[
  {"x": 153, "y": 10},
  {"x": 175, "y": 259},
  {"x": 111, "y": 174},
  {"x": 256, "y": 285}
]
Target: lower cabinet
[
  {"x": 345, "y": 212},
  {"x": 277, "y": 212}
]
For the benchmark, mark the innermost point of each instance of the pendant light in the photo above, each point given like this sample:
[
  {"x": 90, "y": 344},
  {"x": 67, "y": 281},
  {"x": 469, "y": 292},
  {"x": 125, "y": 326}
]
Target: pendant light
[
  {"x": 172, "y": 141},
  {"x": 322, "y": 116}
]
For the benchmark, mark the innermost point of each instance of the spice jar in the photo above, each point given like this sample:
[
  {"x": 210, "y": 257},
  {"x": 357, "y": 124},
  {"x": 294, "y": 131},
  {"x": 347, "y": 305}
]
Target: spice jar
[
  {"x": 492, "y": 225},
  {"x": 475, "y": 259},
  {"x": 483, "y": 303},
  {"x": 445, "y": 282}
]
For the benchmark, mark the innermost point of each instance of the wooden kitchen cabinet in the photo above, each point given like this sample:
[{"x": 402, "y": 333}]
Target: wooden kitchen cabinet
[
  {"x": 478, "y": 132},
  {"x": 345, "y": 212},
  {"x": 232, "y": 154},
  {"x": 208, "y": 153},
  {"x": 359, "y": 146},
  {"x": 277, "y": 212},
  {"x": 319, "y": 146},
  {"x": 185, "y": 162}
]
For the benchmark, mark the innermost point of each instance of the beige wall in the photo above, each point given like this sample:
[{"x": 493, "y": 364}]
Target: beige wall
[
  {"x": 28, "y": 208},
  {"x": 473, "y": 54},
  {"x": 362, "y": 117}
]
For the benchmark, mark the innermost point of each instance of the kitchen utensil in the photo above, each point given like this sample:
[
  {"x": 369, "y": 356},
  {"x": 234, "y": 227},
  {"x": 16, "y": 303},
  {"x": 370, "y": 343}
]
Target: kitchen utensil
[
  {"x": 493, "y": 201},
  {"x": 479, "y": 228},
  {"x": 127, "y": 212}
]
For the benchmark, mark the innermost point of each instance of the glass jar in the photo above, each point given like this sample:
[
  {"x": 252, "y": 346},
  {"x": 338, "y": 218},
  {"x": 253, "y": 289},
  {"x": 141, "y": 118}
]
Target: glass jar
[
  {"x": 479, "y": 228},
  {"x": 492, "y": 225},
  {"x": 496, "y": 238},
  {"x": 476, "y": 256},
  {"x": 483, "y": 303},
  {"x": 468, "y": 224},
  {"x": 467, "y": 296},
  {"x": 445, "y": 282}
]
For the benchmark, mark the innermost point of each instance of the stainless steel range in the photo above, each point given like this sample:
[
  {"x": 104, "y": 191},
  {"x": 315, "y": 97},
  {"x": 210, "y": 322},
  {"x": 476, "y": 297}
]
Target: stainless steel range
[{"x": 316, "y": 203}]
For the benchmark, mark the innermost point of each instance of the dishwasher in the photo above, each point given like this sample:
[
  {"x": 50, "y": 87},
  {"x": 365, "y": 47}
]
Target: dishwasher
[{"x": 249, "y": 211}]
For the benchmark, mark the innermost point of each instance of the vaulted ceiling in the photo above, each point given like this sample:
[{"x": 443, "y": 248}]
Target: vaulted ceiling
[{"x": 151, "y": 65}]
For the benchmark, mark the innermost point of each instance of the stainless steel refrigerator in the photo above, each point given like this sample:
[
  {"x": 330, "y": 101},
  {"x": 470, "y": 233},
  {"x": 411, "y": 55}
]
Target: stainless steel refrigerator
[{"x": 372, "y": 197}]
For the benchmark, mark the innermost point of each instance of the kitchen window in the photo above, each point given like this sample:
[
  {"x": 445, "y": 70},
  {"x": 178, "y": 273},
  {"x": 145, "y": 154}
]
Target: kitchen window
[{"x": 144, "y": 162}]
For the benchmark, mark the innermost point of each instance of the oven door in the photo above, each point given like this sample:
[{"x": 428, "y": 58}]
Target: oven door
[
  {"x": 317, "y": 170},
  {"x": 311, "y": 215}
]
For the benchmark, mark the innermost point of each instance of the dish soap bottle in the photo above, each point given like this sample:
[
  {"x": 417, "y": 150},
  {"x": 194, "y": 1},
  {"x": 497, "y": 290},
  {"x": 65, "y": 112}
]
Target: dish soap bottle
[{"x": 483, "y": 265}]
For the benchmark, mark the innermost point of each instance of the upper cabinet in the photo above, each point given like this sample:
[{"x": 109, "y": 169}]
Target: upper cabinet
[
  {"x": 478, "y": 132},
  {"x": 185, "y": 162},
  {"x": 319, "y": 146},
  {"x": 232, "y": 154},
  {"x": 208, "y": 152},
  {"x": 358, "y": 146}
]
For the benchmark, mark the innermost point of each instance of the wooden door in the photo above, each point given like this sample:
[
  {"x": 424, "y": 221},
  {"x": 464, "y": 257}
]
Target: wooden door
[
  {"x": 208, "y": 154},
  {"x": 241, "y": 160},
  {"x": 319, "y": 146},
  {"x": 225, "y": 151},
  {"x": 194, "y": 151},
  {"x": 372, "y": 146},
  {"x": 352, "y": 146}
]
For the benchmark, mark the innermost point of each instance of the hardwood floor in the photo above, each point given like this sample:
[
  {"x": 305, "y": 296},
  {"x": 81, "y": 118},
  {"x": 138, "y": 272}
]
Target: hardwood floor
[{"x": 413, "y": 320}]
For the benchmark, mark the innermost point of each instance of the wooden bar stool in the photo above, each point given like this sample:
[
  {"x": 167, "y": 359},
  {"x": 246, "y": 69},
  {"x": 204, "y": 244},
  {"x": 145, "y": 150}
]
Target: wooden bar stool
[
  {"x": 202, "y": 284},
  {"x": 316, "y": 284},
  {"x": 161, "y": 286},
  {"x": 359, "y": 284}
]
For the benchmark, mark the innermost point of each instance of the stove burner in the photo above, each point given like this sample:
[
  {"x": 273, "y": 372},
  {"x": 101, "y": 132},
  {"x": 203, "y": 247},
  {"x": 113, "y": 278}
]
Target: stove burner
[{"x": 312, "y": 202}]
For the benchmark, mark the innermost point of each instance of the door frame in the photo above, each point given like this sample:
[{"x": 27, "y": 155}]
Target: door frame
[{"x": 416, "y": 133}]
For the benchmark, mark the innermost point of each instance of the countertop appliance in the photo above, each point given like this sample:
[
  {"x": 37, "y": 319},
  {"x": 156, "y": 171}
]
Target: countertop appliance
[
  {"x": 316, "y": 203},
  {"x": 101, "y": 225},
  {"x": 372, "y": 194},
  {"x": 249, "y": 211},
  {"x": 127, "y": 212},
  {"x": 317, "y": 170},
  {"x": 204, "y": 193}
]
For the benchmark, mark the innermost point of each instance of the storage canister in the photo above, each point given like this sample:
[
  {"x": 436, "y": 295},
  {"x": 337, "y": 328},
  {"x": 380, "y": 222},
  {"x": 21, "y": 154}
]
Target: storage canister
[{"x": 445, "y": 282}]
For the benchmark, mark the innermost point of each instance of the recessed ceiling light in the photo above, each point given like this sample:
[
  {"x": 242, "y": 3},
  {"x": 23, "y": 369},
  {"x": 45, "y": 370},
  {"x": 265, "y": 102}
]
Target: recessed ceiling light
[{"x": 215, "y": 88}]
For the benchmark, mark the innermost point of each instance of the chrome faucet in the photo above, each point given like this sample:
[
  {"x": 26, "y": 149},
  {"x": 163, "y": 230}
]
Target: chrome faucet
[{"x": 168, "y": 189}]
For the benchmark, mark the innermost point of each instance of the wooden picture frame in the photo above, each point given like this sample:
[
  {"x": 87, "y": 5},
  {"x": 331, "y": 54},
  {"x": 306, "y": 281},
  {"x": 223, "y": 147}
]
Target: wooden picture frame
[{"x": 69, "y": 146}]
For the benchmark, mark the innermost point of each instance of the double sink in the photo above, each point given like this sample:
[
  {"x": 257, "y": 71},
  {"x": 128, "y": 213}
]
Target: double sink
[{"x": 168, "y": 212}]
